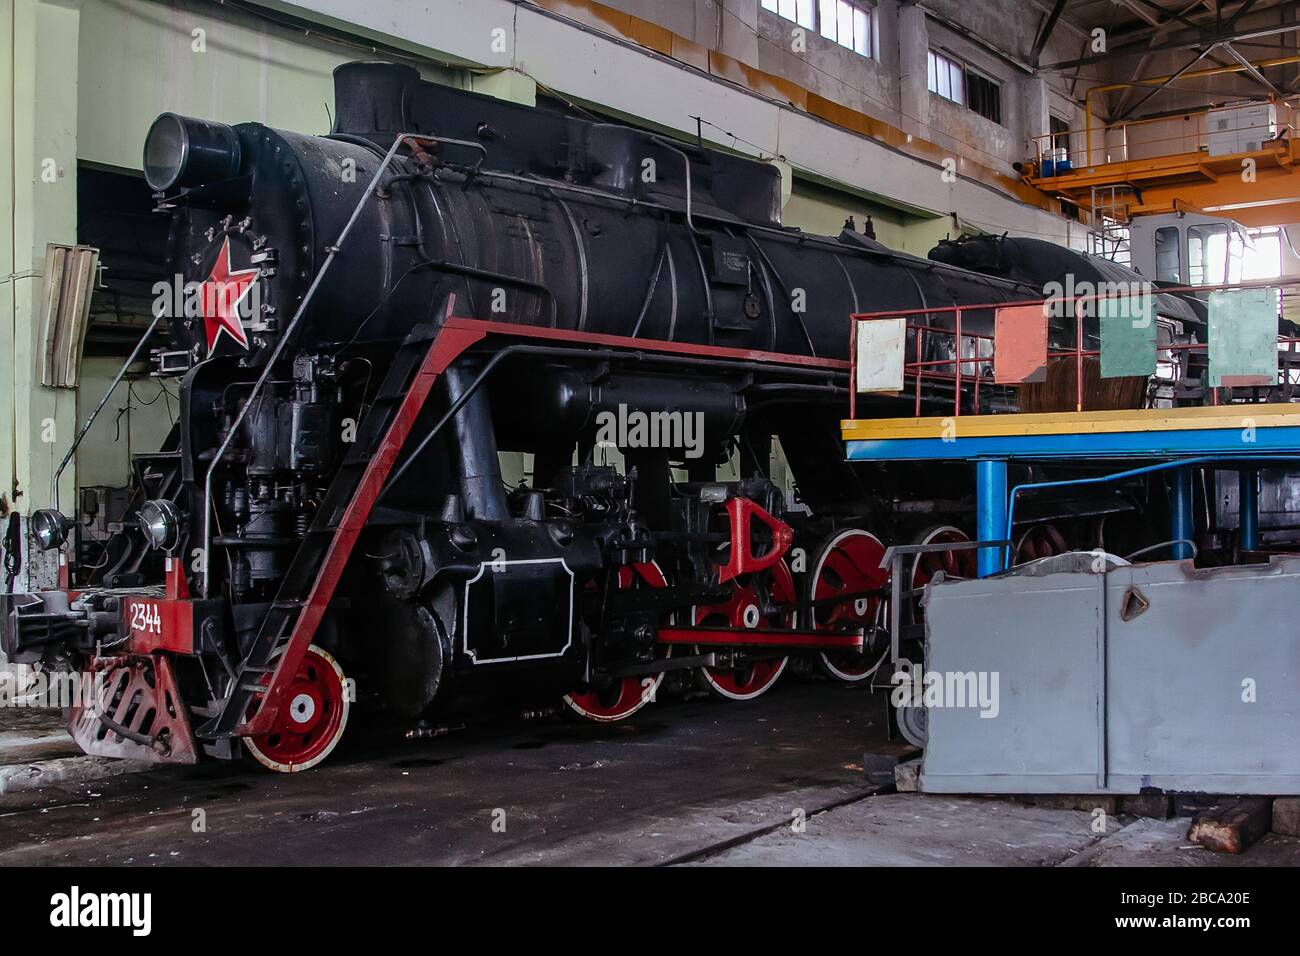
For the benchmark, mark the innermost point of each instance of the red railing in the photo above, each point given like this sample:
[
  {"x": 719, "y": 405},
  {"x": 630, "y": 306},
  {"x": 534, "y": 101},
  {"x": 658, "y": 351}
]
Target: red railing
[{"x": 953, "y": 370}]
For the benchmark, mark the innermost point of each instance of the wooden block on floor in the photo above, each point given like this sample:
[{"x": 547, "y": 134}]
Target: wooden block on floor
[
  {"x": 878, "y": 766},
  {"x": 1068, "y": 801},
  {"x": 1190, "y": 804},
  {"x": 1232, "y": 826},
  {"x": 907, "y": 776},
  {"x": 1154, "y": 806},
  {"x": 1286, "y": 816}
]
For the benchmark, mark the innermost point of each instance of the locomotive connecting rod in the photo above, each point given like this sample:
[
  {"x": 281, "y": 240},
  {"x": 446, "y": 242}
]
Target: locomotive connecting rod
[{"x": 332, "y": 251}]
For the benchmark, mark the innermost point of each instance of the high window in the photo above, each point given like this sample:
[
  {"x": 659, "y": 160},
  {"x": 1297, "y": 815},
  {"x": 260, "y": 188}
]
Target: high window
[
  {"x": 851, "y": 25},
  {"x": 984, "y": 96},
  {"x": 955, "y": 81},
  {"x": 1060, "y": 131},
  {"x": 947, "y": 78},
  {"x": 846, "y": 24},
  {"x": 800, "y": 11}
]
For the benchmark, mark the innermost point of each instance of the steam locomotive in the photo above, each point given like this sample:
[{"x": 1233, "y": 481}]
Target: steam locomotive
[{"x": 365, "y": 325}]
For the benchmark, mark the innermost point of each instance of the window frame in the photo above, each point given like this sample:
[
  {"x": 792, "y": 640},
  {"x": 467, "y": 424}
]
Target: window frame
[
  {"x": 1058, "y": 138},
  {"x": 952, "y": 68},
  {"x": 994, "y": 83},
  {"x": 775, "y": 6},
  {"x": 956, "y": 65},
  {"x": 867, "y": 47}
]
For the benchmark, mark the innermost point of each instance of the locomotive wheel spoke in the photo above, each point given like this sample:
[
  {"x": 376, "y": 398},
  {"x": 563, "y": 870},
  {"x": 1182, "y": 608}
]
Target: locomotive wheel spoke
[
  {"x": 953, "y": 564},
  {"x": 849, "y": 564},
  {"x": 749, "y": 677},
  {"x": 623, "y": 696},
  {"x": 1040, "y": 541}
]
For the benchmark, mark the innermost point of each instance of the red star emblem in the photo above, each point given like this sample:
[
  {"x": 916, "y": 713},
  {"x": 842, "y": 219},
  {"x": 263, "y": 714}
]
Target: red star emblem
[{"x": 221, "y": 294}]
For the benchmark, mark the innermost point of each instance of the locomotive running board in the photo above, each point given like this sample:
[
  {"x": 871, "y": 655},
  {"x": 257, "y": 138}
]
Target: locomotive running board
[
  {"x": 792, "y": 640},
  {"x": 318, "y": 565}
]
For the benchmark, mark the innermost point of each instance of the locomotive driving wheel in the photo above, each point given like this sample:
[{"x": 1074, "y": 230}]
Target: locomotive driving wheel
[
  {"x": 623, "y": 696},
  {"x": 749, "y": 677},
  {"x": 311, "y": 719},
  {"x": 1039, "y": 541},
  {"x": 913, "y": 719},
  {"x": 953, "y": 564},
  {"x": 849, "y": 567}
]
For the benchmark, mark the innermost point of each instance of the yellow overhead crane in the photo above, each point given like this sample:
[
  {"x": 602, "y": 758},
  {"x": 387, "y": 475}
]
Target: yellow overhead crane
[
  {"x": 1259, "y": 186},
  {"x": 1195, "y": 182}
]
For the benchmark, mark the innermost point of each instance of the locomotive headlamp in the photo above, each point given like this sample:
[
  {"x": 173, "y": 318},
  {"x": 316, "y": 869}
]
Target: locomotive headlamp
[
  {"x": 49, "y": 527},
  {"x": 160, "y": 521},
  {"x": 180, "y": 151}
]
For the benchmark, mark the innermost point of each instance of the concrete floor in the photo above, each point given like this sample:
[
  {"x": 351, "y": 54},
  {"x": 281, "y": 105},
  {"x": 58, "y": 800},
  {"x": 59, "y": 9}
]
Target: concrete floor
[{"x": 698, "y": 782}]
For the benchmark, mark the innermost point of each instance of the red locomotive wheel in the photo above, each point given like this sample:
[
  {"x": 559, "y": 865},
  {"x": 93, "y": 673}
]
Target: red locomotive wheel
[
  {"x": 850, "y": 564},
  {"x": 1040, "y": 541},
  {"x": 954, "y": 564},
  {"x": 743, "y": 609},
  {"x": 311, "y": 720},
  {"x": 626, "y": 696}
]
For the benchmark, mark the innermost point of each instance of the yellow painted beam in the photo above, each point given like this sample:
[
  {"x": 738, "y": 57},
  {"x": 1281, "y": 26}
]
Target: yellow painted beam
[
  {"x": 1194, "y": 180},
  {"x": 1068, "y": 423}
]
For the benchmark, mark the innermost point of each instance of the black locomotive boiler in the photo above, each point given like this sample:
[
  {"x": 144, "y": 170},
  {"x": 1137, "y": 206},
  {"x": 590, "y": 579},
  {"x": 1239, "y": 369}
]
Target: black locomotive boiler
[{"x": 365, "y": 323}]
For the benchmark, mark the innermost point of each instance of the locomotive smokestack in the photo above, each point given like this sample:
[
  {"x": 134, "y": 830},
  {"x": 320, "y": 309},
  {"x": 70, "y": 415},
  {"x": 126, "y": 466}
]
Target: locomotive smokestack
[{"x": 370, "y": 99}]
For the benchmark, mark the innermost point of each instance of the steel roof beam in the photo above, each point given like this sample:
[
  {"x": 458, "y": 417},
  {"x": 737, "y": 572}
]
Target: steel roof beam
[{"x": 1137, "y": 49}]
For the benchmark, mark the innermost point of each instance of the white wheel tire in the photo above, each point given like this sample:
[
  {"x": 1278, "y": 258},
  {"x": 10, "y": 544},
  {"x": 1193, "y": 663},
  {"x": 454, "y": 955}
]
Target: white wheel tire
[
  {"x": 812, "y": 612},
  {"x": 604, "y": 719},
  {"x": 722, "y": 692},
  {"x": 278, "y": 767},
  {"x": 581, "y": 711}
]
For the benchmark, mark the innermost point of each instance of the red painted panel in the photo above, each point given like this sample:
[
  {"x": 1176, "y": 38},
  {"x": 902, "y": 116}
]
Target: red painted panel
[
  {"x": 158, "y": 624},
  {"x": 1020, "y": 344}
]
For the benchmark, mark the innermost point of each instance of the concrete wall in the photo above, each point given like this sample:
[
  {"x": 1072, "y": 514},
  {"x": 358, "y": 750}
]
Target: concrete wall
[
  {"x": 203, "y": 60},
  {"x": 250, "y": 69},
  {"x": 137, "y": 418},
  {"x": 38, "y": 110},
  {"x": 591, "y": 63},
  {"x": 879, "y": 86},
  {"x": 869, "y": 85}
]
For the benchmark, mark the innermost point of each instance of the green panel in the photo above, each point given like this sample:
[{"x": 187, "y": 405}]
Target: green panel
[
  {"x": 1128, "y": 336},
  {"x": 1243, "y": 337}
]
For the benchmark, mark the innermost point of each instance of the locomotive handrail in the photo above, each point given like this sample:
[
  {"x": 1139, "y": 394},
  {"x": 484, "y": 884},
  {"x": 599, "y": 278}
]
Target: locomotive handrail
[
  {"x": 204, "y": 556},
  {"x": 90, "y": 419},
  {"x": 1142, "y": 288},
  {"x": 686, "y": 162},
  {"x": 467, "y": 143}
]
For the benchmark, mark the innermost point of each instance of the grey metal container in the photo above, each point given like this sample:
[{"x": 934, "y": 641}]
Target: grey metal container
[{"x": 1154, "y": 675}]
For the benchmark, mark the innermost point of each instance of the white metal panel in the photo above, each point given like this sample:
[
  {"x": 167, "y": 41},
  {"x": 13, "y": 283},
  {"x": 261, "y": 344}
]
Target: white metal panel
[{"x": 880, "y": 344}]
